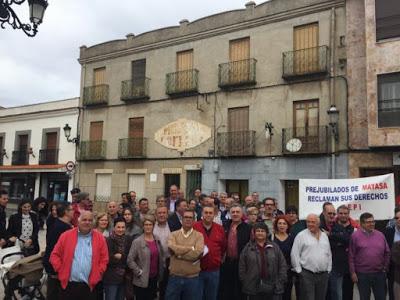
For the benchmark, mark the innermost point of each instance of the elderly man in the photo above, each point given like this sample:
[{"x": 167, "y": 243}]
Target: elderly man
[
  {"x": 83, "y": 203},
  {"x": 327, "y": 217},
  {"x": 369, "y": 258},
  {"x": 186, "y": 246},
  {"x": 160, "y": 201},
  {"x": 214, "y": 240},
  {"x": 80, "y": 258},
  {"x": 238, "y": 235},
  {"x": 173, "y": 197},
  {"x": 312, "y": 259},
  {"x": 175, "y": 220}
]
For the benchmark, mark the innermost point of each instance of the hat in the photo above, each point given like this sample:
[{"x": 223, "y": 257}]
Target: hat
[{"x": 75, "y": 191}]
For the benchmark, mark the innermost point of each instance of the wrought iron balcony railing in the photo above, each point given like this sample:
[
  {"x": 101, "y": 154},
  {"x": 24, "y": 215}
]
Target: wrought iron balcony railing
[
  {"x": 305, "y": 140},
  {"x": 132, "y": 90},
  {"x": 236, "y": 143},
  {"x": 305, "y": 62},
  {"x": 132, "y": 148},
  {"x": 92, "y": 150},
  {"x": 48, "y": 156},
  {"x": 20, "y": 157},
  {"x": 95, "y": 95},
  {"x": 237, "y": 73},
  {"x": 182, "y": 82}
]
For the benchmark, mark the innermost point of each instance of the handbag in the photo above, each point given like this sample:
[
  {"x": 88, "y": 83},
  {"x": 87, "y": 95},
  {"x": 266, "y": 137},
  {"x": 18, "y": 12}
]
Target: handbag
[{"x": 266, "y": 287}]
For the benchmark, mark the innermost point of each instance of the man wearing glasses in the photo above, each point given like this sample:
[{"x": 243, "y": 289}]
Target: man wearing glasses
[
  {"x": 327, "y": 217},
  {"x": 369, "y": 258}
]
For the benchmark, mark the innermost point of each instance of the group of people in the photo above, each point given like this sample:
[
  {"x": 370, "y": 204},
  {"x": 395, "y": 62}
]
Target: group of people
[{"x": 211, "y": 247}]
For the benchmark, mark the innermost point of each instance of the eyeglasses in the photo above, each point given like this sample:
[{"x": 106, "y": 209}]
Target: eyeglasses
[{"x": 396, "y": 218}]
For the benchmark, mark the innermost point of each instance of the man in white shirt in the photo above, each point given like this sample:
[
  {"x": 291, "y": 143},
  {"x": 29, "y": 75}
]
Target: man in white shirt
[{"x": 312, "y": 259}]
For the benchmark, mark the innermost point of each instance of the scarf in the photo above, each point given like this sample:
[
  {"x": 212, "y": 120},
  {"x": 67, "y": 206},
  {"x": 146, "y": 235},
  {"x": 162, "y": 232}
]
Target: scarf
[{"x": 119, "y": 241}]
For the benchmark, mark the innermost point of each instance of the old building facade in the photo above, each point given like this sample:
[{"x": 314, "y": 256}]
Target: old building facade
[
  {"x": 373, "y": 70},
  {"x": 231, "y": 102},
  {"x": 34, "y": 150}
]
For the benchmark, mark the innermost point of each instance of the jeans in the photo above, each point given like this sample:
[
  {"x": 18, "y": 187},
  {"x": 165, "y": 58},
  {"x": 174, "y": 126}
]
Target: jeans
[
  {"x": 374, "y": 281},
  {"x": 340, "y": 286},
  {"x": 114, "y": 291},
  {"x": 182, "y": 288},
  {"x": 208, "y": 285}
]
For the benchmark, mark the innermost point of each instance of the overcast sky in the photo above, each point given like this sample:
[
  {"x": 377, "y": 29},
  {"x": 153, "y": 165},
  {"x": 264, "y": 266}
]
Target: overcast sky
[{"x": 45, "y": 68}]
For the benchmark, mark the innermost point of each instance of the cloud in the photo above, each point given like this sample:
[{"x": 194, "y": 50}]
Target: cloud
[{"x": 45, "y": 68}]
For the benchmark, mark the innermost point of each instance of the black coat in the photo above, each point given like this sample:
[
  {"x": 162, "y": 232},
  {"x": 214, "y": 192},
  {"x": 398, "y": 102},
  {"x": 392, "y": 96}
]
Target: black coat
[
  {"x": 340, "y": 240},
  {"x": 15, "y": 228},
  {"x": 3, "y": 217},
  {"x": 174, "y": 223},
  {"x": 243, "y": 234}
]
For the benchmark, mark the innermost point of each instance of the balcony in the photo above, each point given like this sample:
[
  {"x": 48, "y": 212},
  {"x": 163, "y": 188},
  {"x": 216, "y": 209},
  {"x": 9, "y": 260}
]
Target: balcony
[
  {"x": 182, "y": 83},
  {"x": 48, "y": 156},
  {"x": 92, "y": 150},
  {"x": 20, "y": 157},
  {"x": 306, "y": 62},
  {"x": 132, "y": 148},
  {"x": 237, "y": 73},
  {"x": 95, "y": 95},
  {"x": 237, "y": 143},
  {"x": 1, "y": 156},
  {"x": 305, "y": 140},
  {"x": 132, "y": 91}
]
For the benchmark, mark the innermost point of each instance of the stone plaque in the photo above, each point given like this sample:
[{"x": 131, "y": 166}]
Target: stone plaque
[{"x": 182, "y": 134}]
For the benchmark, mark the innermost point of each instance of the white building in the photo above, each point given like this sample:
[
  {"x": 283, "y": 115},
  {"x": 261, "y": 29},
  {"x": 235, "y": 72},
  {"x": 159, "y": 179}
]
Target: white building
[{"x": 34, "y": 150}]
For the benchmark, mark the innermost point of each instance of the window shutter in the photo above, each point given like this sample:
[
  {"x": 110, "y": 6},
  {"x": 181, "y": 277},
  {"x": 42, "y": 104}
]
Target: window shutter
[
  {"x": 103, "y": 187},
  {"x": 239, "y": 49},
  {"x": 96, "y": 131},
  {"x": 99, "y": 76}
]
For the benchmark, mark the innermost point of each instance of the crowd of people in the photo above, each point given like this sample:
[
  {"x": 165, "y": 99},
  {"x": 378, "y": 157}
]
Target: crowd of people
[{"x": 209, "y": 247}]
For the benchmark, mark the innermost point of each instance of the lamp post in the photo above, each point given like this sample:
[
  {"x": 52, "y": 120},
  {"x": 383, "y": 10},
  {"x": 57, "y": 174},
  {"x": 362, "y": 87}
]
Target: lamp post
[
  {"x": 67, "y": 134},
  {"x": 333, "y": 114},
  {"x": 36, "y": 12}
]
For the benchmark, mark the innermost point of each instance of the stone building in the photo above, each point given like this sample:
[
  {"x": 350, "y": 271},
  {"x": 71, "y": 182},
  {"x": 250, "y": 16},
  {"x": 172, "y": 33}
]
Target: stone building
[
  {"x": 34, "y": 150},
  {"x": 373, "y": 71},
  {"x": 234, "y": 102}
]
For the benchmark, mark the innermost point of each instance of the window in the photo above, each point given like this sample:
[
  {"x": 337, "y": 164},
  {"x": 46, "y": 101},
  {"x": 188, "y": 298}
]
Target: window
[
  {"x": 389, "y": 100},
  {"x": 387, "y": 13},
  {"x": 136, "y": 183},
  {"x": 238, "y": 119},
  {"x": 103, "y": 187},
  {"x": 193, "y": 182},
  {"x": 305, "y": 47},
  {"x": 305, "y": 117},
  {"x": 139, "y": 72},
  {"x": 135, "y": 143},
  {"x": 239, "y": 55},
  {"x": 99, "y": 76},
  {"x": 184, "y": 65},
  {"x": 96, "y": 131}
]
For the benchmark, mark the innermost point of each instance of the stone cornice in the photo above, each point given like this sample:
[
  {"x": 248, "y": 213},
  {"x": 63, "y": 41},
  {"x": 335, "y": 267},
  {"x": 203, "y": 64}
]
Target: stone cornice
[
  {"x": 40, "y": 115},
  {"x": 278, "y": 17}
]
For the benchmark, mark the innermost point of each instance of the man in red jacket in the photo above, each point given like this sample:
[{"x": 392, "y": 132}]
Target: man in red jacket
[
  {"x": 80, "y": 258},
  {"x": 214, "y": 250}
]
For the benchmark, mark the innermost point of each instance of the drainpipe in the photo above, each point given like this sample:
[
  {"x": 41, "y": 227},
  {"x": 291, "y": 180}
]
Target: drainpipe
[{"x": 332, "y": 87}]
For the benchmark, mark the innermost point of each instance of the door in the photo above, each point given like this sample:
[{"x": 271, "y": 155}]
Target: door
[
  {"x": 184, "y": 67},
  {"x": 51, "y": 148},
  {"x": 138, "y": 77},
  {"x": 171, "y": 179},
  {"x": 292, "y": 193},
  {"x": 237, "y": 186},
  {"x": 305, "y": 46},
  {"x": 1, "y": 150},
  {"x": 23, "y": 149},
  {"x": 136, "y": 143},
  {"x": 239, "y": 55},
  {"x": 99, "y": 80},
  {"x": 306, "y": 124},
  {"x": 96, "y": 136},
  {"x": 136, "y": 182},
  {"x": 193, "y": 182},
  {"x": 238, "y": 137}
]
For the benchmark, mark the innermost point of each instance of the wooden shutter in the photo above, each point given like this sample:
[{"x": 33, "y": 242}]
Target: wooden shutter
[
  {"x": 1, "y": 145},
  {"x": 135, "y": 145},
  {"x": 23, "y": 142},
  {"x": 138, "y": 71},
  {"x": 239, "y": 54},
  {"x": 306, "y": 121},
  {"x": 96, "y": 131},
  {"x": 305, "y": 43},
  {"x": 239, "y": 49},
  {"x": 99, "y": 76},
  {"x": 184, "y": 60},
  {"x": 238, "y": 119},
  {"x": 51, "y": 140}
]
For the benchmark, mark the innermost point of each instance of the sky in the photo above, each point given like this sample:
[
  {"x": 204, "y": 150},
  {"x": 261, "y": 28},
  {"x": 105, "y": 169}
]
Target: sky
[{"x": 45, "y": 67}]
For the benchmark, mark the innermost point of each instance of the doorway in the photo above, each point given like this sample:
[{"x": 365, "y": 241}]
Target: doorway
[
  {"x": 170, "y": 179},
  {"x": 237, "y": 186},
  {"x": 292, "y": 193}
]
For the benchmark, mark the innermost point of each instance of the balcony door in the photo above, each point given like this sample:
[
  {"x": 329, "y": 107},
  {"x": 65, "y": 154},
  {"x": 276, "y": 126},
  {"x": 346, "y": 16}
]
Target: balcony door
[
  {"x": 305, "y": 46},
  {"x": 306, "y": 123},
  {"x": 1, "y": 150},
  {"x": 96, "y": 137},
  {"x": 138, "y": 77},
  {"x": 238, "y": 131},
  {"x": 135, "y": 142},
  {"x": 51, "y": 147},
  {"x": 239, "y": 55},
  {"x": 184, "y": 67},
  {"x": 99, "y": 79}
]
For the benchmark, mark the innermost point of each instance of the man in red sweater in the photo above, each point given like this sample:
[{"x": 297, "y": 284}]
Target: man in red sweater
[
  {"x": 80, "y": 258},
  {"x": 214, "y": 250}
]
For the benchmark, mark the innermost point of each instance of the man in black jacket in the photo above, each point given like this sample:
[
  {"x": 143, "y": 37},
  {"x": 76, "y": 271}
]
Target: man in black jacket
[
  {"x": 3, "y": 217},
  {"x": 392, "y": 235},
  {"x": 65, "y": 214},
  {"x": 237, "y": 236},
  {"x": 340, "y": 283},
  {"x": 175, "y": 220}
]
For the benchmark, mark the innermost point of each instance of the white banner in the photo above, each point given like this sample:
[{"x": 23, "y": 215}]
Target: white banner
[{"x": 368, "y": 194}]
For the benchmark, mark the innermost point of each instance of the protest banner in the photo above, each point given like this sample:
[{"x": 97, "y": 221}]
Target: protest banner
[{"x": 368, "y": 194}]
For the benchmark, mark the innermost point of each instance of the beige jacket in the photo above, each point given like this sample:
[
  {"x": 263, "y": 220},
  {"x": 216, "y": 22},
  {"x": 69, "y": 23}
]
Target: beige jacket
[{"x": 139, "y": 261}]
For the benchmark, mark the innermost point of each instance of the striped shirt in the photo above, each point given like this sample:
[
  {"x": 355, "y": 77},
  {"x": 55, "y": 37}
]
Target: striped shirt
[{"x": 82, "y": 262}]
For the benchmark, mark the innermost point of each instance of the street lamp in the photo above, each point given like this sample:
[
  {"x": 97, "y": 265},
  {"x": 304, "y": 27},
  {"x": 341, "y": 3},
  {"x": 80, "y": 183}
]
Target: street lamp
[
  {"x": 333, "y": 114},
  {"x": 67, "y": 133},
  {"x": 36, "y": 12}
]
